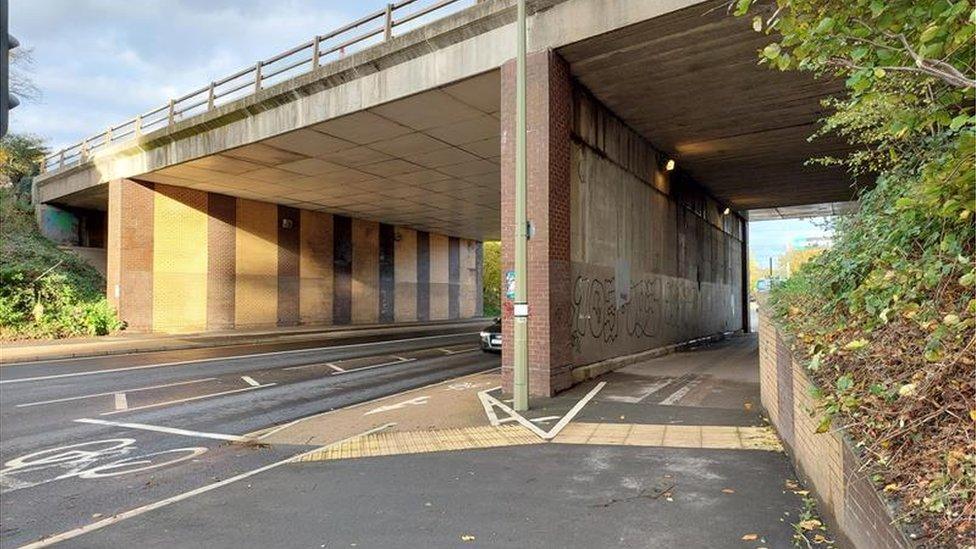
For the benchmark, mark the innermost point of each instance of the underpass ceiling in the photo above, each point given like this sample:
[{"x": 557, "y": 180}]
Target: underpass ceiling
[
  {"x": 689, "y": 83},
  {"x": 430, "y": 161}
]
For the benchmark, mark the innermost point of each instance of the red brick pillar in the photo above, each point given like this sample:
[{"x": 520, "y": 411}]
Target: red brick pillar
[
  {"x": 129, "y": 251},
  {"x": 549, "y": 121}
]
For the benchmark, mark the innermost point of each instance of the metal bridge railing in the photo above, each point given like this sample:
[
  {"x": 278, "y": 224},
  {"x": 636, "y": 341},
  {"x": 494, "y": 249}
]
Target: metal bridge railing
[{"x": 363, "y": 32}]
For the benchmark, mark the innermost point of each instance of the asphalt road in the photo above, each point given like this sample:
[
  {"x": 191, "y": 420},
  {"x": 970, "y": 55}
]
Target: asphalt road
[{"x": 83, "y": 439}]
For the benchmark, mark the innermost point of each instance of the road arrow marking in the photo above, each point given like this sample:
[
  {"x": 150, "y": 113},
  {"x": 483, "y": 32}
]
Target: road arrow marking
[{"x": 419, "y": 401}]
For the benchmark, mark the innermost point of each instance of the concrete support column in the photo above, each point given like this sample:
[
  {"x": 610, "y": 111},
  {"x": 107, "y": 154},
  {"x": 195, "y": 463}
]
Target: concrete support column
[
  {"x": 129, "y": 252},
  {"x": 549, "y": 123}
]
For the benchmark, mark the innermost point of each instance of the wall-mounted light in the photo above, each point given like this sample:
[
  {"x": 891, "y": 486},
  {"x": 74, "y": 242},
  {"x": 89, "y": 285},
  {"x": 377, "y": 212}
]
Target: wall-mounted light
[
  {"x": 287, "y": 223},
  {"x": 726, "y": 211},
  {"x": 397, "y": 236},
  {"x": 669, "y": 166}
]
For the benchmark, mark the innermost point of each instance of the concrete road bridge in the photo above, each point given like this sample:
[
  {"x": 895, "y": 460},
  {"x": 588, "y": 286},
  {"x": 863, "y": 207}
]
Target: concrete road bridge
[{"x": 336, "y": 185}]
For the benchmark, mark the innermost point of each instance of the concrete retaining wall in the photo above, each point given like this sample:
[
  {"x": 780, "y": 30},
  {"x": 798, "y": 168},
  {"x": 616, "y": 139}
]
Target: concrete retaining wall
[
  {"x": 654, "y": 260},
  {"x": 854, "y": 512},
  {"x": 182, "y": 259}
]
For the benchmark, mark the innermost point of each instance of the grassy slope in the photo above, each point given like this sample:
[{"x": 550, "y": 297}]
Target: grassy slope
[{"x": 25, "y": 255}]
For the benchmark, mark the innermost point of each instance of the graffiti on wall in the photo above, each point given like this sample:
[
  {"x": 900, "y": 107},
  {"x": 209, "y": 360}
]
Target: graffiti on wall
[
  {"x": 653, "y": 306},
  {"x": 596, "y": 313}
]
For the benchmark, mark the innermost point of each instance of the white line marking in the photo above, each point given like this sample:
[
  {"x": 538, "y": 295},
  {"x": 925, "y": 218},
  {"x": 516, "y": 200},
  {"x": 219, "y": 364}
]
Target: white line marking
[
  {"x": 489, "y": 409},
  {"x": 363, "y": 404},
  {"x": 115, "y": 392},
  {"x": 71, "y": 534},
  {"x": 574, "y": 410},
  {"x": 160, "y": 429},
  {"x": 518, "y": 417},
  {"x": 250, "y": 381},
  {"x": 450, "y": 352},
  {"x": 545, "y": 435},
  {"x": 646, "y": 392},
  {"x": 371, "y": 366},
  {"x": 178, "y": 401},
  {"x": 543, "y": 419},
  {"x": 418, "y": 401},
  {"x": 680, "y": 393},
  {"x": 121, "y": 403},
  {"x": 336, "y": 368},
  {"x": 217, "y": 359}
]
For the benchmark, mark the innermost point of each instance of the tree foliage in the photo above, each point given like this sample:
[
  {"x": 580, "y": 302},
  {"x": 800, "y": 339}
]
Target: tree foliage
[
  {"x": 20, "y": 156},
  {"x": 492, "y": 278},
  {"x": 886, "y": 316}
]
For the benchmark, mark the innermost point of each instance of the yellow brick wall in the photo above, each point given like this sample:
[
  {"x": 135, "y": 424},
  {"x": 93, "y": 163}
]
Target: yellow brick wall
[
  {"x": 468, "y": 262},
  {"x": 315, "y": 268},
  {"x": 405, "y": 275},
  {"x": 179, "y": 259},
  {"x": 439, "y": 277},
  {"x": 365, "y": 271},
  {"x": 820, "y": 454},
  {"x": 256, "y": 297},
  {"x": 767, "y": 366}
]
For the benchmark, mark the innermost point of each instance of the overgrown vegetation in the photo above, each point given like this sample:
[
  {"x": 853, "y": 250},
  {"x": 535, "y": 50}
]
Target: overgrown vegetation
[
  {"x": 492, "y": 283},
  {"x": 45, "y": 292},
  {"x": 886, "y": 317}
]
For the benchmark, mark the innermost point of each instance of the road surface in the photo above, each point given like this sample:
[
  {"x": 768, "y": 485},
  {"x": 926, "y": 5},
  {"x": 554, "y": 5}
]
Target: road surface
[{"x": 87, "y": 438}]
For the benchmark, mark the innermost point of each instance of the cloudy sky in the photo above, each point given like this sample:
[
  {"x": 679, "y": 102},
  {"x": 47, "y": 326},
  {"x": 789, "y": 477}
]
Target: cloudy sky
[{"x": 100, "y": 62}]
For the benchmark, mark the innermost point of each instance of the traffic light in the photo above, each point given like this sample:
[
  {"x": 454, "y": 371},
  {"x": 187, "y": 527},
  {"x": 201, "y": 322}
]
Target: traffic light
[{"x": 7, "y": 43}]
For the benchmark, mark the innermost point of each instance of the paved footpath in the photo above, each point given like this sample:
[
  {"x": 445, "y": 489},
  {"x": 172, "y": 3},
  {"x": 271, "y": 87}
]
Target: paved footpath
[{"x": 671, "y": 452}]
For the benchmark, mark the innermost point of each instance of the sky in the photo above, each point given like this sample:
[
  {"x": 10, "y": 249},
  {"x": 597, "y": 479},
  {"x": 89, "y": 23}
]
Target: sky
[
  {"x": 101, "y": 62},
  {"x": 771, "y": 238}
]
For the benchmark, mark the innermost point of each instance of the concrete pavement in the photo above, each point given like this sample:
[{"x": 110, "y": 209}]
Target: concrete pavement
[{"x": 671, "y": 452}]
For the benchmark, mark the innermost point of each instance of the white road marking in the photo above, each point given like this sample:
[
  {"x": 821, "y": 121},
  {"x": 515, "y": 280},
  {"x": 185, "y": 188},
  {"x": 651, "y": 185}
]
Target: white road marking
[
  {"x": 512, "y": 414},
  {"x": 250, "y": 381},
  {"x": 71, "y": 534},
  {"x": 543, "y": 419},
  {"x": 645, "y": 392},
  {"x": 121, "y": 403},
  {"x": 66, "y": 399},
  {"x": 450, "y": 352},
  {"x": 161, "y": 429},
  {"x": 680, "y": 393},
  {"x": 489, "y": 409},
  {"x": 336, "y": 368},
  {"x": 418, "y": 401},
  {"x": 575, "y": 410},
  {"x": 178, "y": 401},
  {"x": 262, "y": 433},
  {"x": 217, "y": 359},
  {"x": 545, "y": 435},
  {"x": 371, "y": 366}
]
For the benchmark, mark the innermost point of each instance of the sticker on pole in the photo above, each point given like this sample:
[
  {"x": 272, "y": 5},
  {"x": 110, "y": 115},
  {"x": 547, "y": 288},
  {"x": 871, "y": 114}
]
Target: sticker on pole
[{"x": 510, "y": 284}]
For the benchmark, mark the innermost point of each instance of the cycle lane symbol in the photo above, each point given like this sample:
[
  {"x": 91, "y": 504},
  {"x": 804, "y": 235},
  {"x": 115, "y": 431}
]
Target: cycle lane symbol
[{"x": 87, "y": 460}]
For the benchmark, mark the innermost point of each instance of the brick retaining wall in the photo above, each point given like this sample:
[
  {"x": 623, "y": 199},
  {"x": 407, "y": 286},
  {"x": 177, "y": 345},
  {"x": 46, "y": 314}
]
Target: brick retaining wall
[{"x": 853, "y": 510}]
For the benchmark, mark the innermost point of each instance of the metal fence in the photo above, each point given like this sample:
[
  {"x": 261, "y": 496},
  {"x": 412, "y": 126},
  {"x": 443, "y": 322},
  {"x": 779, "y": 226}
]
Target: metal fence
[{"x": 374, "y": 28}]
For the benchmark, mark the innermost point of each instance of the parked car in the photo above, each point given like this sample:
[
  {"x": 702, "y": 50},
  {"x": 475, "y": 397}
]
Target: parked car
[{"x": 491, "y": 337}]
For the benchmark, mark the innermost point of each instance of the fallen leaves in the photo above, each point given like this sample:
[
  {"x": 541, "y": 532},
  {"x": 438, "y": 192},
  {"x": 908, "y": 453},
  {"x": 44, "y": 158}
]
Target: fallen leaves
[
  {"x": 467, "y": 537},
  {"x": 750, "y": 537}
]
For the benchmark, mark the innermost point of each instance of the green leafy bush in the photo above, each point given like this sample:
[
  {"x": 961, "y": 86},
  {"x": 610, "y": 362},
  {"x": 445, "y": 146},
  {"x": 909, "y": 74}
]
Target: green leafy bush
[
  {"x": 45, "y": 292},
  {"x": 492, "y": 278},
  {"x": 886, "y": 317}
]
